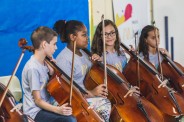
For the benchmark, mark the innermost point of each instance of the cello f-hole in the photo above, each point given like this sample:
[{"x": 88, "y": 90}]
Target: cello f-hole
[
  {"x": 85, "y": 109},
  {"x": 122, "y": 102}
]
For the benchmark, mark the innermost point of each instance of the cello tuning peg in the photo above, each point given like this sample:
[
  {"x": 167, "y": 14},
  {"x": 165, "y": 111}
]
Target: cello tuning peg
[{"x": 22, "y": 42}]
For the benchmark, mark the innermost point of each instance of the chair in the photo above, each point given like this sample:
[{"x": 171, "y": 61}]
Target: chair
[{"x": 14, "y": 87}]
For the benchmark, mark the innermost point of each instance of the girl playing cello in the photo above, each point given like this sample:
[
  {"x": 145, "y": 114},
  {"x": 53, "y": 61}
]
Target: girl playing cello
[
  {"x": 115, "y": 56},
  {"x": 147, "y": 45},
  {"x": 69, "y": 32}
]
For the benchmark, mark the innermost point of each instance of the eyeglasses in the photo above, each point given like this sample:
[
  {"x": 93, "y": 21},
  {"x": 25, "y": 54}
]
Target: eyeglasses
[{"x": 112, "y": 34}]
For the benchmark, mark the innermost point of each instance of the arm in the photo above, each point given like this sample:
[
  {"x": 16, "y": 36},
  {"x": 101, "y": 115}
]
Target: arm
[
  {"x": 100, "y": 91},
  {"x": 96, "y": 57},
  {"x": 51, "y": 70},
  {"x": 63, "y": 110},
  {"x": 164, "y": 51},
  {"x": 36, "y": 84}
]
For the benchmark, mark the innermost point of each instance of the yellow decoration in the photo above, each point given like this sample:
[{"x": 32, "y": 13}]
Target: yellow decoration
[{"x": 119, "y": 20}]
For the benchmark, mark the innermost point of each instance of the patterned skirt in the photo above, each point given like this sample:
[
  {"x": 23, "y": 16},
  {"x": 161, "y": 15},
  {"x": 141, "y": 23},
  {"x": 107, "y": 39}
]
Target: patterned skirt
[{"x": 101, "y": 105}]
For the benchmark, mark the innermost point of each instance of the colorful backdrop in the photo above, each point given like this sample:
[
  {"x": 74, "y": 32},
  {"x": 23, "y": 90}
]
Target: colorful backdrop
[{"x": 130, "y": 17}]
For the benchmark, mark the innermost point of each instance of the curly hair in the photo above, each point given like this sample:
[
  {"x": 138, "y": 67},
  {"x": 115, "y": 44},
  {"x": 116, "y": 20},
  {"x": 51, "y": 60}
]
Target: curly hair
[{"x": 97, "y": 42}]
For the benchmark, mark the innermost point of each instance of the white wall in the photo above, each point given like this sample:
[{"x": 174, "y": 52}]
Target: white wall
[
  {"x": 174, "y": 10},
  {"x": 102, "y": 7},
  {"x": 97, "y": 9}
]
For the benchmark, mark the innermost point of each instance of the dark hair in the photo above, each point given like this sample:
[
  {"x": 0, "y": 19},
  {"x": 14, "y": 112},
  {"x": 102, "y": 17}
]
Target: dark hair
[
  {"x": 64, "y": 29},
  {"x": 143, "y": 46},
  {"x": 97, "y": 42},
  {"x": 42, "y": 34}
]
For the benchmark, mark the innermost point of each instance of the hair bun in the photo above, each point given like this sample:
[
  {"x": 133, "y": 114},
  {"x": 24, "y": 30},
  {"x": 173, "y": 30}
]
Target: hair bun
[{"x": 60, "y": 27}]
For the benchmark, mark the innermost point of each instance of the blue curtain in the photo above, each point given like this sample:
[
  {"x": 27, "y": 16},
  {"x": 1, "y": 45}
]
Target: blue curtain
[{"x": 18, "y": 18}]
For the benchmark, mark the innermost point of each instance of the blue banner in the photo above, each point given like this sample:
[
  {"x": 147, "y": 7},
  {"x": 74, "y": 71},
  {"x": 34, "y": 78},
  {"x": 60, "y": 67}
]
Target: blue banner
[{"x": 19, "y": 18}]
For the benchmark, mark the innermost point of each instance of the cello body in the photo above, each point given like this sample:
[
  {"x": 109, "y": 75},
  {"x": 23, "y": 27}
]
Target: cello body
[
  {"x": 165, "y": 99},
  {"x": 160, "y": 97},
  {"x": 59, "y": 88},
  {"x": 8, "y": 104},
  {"x": 127, "y": 109},
  {"x": 174, "y": 72}
]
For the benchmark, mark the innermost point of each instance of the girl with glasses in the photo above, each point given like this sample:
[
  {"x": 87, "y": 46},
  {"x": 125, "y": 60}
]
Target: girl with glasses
[{"x": 115, "y": 56}]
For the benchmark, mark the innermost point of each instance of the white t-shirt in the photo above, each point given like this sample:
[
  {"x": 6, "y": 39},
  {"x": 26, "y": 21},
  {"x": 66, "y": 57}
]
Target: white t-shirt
[
  {"x": 34, "y": 77},
  {"x": 82, "y": 65},
  {"x": 118, "y": 61}
]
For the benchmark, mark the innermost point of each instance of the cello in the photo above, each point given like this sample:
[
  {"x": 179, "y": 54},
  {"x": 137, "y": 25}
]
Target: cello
[
  {"x": 153, "y": 88},
  {"x": 59, "y": 88},
  {"x": 128, "y": 109},
  {"x": 171, "y": 70},
  {"x": 9, "y": 111},
  {"x": 174, "y": 72},
  {"x": 125, "y": 108}
]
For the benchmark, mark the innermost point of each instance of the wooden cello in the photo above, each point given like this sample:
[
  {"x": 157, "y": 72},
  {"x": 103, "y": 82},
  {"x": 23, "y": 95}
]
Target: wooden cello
[
  {"x": 174, "y": 72},
  {"x": 153, "y": 88},
  {"x": 171, "y": 70},
  {"x": 59, "y": 88},
  {"x": 128, "y": 109},
  {"x": 9, "y": 111}
]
